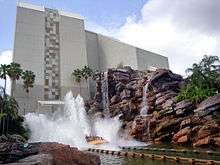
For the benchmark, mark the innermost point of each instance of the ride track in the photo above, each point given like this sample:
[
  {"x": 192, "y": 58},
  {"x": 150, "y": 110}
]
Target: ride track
[{"x": 176, "y": 159}]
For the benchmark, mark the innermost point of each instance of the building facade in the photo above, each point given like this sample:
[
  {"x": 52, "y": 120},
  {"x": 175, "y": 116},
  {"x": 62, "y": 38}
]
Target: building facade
[{"x": 53, "y": 43}]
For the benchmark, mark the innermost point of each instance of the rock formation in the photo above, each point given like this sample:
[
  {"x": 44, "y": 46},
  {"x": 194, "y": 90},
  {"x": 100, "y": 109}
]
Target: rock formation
[
  {"x": 168, "y": 120},
  {"x": 45, "y": 153}
]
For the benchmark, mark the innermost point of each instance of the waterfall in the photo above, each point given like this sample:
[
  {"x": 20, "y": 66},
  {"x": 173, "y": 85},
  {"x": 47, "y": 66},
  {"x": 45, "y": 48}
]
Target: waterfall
[
  {"x": 105, "y": 99},
  {"x": 144, "y": 109}
]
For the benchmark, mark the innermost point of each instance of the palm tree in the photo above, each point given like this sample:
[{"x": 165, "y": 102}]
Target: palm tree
[
  {"x": 77, "y": 76},
  {"x": 204, "y": 73},
  {"x": 3, "y": 74},
  {"x": 28, "y": 82},
  {"x": 14, "y": 72},
  {"x": 87, "y": 72},
  {"x": 10, "y": 108}
]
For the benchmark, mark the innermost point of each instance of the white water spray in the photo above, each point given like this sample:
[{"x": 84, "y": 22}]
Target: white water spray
[{"x": 70, "y": 126}]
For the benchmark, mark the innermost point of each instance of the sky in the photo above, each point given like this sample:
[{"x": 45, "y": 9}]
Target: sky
[{"x": 183, "y": 31}]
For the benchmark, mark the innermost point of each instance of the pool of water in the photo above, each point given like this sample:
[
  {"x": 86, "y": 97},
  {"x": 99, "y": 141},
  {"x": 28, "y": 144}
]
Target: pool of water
[
  {"x": 189, "y": 154},
  {"x": 113, "y": 160}
]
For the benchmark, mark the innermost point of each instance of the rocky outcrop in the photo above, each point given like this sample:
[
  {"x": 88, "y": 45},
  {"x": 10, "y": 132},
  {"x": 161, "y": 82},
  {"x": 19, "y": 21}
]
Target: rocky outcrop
[
  {"x": 209, "y": 106},
  {"x": 168, "y": 120},
  {"x": 45, "y": 153},
  {"x": 39, "y": 159}
]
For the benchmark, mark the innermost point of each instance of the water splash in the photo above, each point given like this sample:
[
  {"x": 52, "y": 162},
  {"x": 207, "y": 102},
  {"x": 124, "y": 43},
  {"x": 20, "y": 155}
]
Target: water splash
[
  {"x": 108, "y": 129},
  {"x": 70, "y": 125}
]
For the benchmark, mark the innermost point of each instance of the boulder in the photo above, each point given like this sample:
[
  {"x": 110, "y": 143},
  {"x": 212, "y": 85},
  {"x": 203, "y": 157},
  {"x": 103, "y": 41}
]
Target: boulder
[
  {"x": 39, "y": 159},
  {"x": 202, "y": 142},
  {"x": 168, "y": 126},
  {"x": 182, "y": 135},
  {"x": 119, "y": 87},
  {"x": 182, "y": 140},
  {"x": 186, "y": 122},
  {"x": 12, "y": 138},
  {"x": 125, "y": 94},
  {"x": 163, "y": 78},
  {"x": 217, "y": 141},
  {"x": 65, "y": 155},
  {"x": 49, "y": 152},
  {"x": 115, "y": 99},
  {"x": 161, "y": 100},
  {"x": 132, "y": 85},
  {"x": 185, "y": 104},
  {"x": 208, "y": 106},
  {"x": 210, "y": 102},
  {"x": 207, "y": 130}
]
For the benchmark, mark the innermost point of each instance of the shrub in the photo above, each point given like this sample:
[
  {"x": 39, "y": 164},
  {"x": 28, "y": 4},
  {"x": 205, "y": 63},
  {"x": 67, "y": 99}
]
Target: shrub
[
  {"x": 201, "y": 81},
  {"x": 195, "y": 94}
]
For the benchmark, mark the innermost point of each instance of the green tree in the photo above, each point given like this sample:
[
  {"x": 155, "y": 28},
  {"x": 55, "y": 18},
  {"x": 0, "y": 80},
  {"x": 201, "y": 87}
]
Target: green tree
[
  {"x": 3, "y": 75},
  {"x": 201, "y": 80},
  {"x": 77, "y": 76},
  {"x": 87, "y": 72},
  {"x": 28, "y": 82},
  {"x": 14, "y": 72}
]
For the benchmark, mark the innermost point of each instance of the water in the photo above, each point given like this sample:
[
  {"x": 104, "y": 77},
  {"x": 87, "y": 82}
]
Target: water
[
  {"x": 105, "y": 99},
  {"x": 144, "y": 109},
  {"x": 71, "y": 125},
  {"x": 113, "y": 160},
  {"x": 68, "y": 126}
]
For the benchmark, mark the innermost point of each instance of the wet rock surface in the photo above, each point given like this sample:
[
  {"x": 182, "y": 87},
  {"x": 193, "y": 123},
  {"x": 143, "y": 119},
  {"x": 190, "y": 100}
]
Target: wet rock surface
[
  {"x": 170, "y": 121},
  {"x": 45, "y": 153}
]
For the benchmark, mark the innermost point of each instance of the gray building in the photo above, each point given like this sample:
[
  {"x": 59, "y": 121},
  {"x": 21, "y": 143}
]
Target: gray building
[{"x": 53, "y": 43}]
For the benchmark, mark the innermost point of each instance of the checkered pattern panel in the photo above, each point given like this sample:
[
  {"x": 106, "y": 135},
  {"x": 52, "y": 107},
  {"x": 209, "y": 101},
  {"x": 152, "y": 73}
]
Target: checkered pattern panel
[{"x": 52, "y": 55}]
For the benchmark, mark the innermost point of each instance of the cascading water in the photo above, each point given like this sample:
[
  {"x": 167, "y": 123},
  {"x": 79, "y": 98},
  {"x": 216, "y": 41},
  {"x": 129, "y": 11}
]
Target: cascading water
[
  {"x": 105, "y": 99},
  {"x": 144, "y": 109},
  {"x": 70, "y": 125}
]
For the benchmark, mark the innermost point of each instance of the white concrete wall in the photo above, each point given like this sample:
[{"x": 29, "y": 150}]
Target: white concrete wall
[
  {"x": 29, "y": 52},
  {"x": 146, "y": 59},
  {"x": 113, "y": 52},
  {"x": 72, "y": 54},
  {"x": 29, "y": 42},
  {"x": 93, "y": 57}
]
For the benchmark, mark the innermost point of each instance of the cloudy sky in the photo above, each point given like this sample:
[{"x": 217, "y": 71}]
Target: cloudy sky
[{"x": 183, "y": 31}]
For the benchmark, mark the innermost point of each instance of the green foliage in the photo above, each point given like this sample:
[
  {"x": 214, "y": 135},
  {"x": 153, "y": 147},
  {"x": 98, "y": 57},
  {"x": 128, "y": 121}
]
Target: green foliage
[
  {"x": 10, "y": 121},
  {"x": 77, "y": 75},
  {"x": 2, "y": 115},
  {"x": 194, "y": 93},
  {"x": 3, "y": 74},
  {"x": 3, "y": 71},
  {"x": 84, "y": 73},
  {"x": 201, "y": 81},
  {"x": 10, "y": 106},
  {"x": 28, "y": 80},
  {"x": 14, "y": 71},
  {"x": 87, "y": 72}
]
